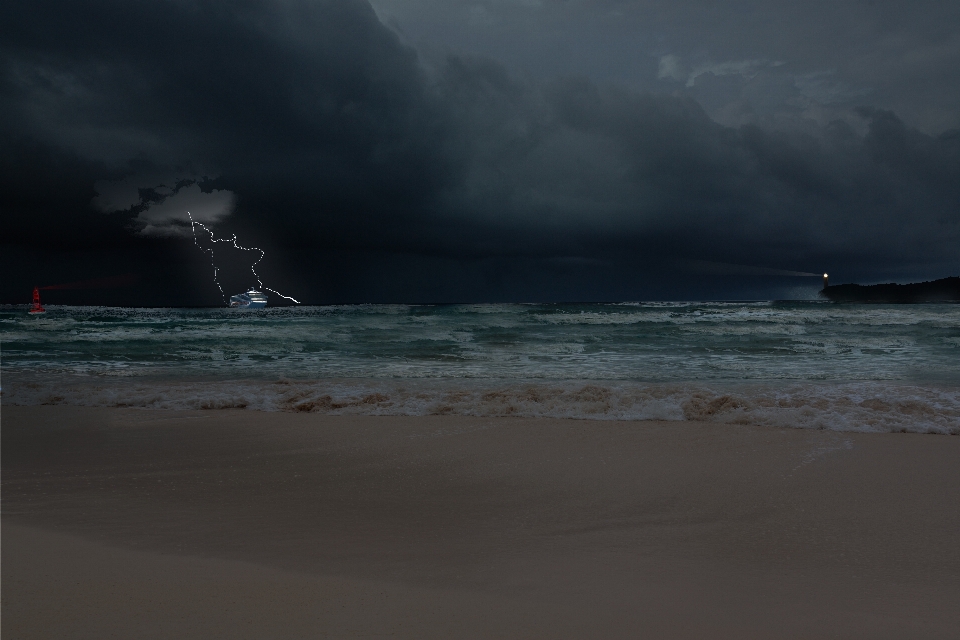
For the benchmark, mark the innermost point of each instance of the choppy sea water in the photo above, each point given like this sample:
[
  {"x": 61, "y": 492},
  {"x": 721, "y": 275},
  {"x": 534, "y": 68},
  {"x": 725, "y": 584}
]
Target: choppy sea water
[{"x": 795, "y": 364}]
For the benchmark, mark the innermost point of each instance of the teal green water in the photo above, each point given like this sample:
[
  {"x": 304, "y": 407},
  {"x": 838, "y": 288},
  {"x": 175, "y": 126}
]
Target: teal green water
[
  {"x": 652, "y": 342},
  {"x": 749, "y": 349}
]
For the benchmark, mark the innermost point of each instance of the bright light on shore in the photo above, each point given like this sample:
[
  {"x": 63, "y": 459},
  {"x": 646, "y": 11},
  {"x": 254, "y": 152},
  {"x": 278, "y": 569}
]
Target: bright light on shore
[{"x": 825, "y": 276}]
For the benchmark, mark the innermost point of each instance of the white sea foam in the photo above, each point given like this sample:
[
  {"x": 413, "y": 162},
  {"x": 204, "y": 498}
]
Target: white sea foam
[
  {"x": 815, "y": 365},
  {"x": 870, "y": 407}
]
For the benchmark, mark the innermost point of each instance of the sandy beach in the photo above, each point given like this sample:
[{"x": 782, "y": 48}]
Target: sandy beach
[{"x": 246, "y": 524}]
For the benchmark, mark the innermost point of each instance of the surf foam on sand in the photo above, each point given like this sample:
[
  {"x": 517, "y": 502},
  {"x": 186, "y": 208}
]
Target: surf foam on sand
[
  {"x": 866, "y": 407},
  {"x": 788, "y": 364}
]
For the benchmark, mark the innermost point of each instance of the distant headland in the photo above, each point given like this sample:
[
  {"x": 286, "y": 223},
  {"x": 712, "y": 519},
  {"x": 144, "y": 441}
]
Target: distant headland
[{"x": 942, "y": 290}]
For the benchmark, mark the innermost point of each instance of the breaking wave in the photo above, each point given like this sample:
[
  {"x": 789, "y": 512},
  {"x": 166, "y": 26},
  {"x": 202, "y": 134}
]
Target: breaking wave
[
  {"x": 867, "y": 407},
  {"x": 787, "y": 364}
]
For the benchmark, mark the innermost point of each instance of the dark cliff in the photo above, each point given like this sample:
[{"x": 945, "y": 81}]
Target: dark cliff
[{"x": 943, "y": 290}]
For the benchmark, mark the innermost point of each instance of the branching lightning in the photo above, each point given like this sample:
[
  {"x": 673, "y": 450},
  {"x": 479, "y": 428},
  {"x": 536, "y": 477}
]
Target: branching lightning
[{"x": 232, "y": 241}]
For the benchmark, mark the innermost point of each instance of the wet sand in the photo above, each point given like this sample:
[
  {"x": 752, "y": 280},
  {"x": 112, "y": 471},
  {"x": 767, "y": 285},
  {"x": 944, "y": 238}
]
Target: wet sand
[{"x": 241, "y": 524}]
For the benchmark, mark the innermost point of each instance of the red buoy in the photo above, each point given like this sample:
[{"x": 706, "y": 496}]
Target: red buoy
[{"x": 36, "y": 307}]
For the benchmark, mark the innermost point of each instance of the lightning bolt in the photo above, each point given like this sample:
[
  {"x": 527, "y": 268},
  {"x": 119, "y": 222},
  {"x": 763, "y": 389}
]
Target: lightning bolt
[{"x": 232, "y": 240}]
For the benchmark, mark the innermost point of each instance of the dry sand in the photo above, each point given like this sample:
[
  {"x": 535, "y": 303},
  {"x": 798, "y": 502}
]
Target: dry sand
[{"x": 239, "y": 524}]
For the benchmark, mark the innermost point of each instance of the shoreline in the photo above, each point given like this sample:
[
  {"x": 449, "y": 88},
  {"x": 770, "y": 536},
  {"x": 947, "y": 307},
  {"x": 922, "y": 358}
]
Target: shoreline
[
  {"x": 867, "y": 406},
  {"x": 241, "y": 523}
]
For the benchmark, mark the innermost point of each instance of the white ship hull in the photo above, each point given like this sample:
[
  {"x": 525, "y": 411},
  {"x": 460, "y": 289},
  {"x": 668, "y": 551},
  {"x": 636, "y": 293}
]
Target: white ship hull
[{"x": 251, "y": 299}]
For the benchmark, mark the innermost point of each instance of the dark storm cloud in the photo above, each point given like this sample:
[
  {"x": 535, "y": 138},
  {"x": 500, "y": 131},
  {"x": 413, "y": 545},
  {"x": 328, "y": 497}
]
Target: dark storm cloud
[
  {"x": 372, "y": 176},
  {"x": 760, "y": 61},
  {"x": 620, "y": 168}
]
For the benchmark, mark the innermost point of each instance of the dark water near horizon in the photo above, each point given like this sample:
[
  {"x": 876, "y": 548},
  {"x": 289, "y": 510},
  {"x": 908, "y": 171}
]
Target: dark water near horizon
[{"x": 802, "y": 364}]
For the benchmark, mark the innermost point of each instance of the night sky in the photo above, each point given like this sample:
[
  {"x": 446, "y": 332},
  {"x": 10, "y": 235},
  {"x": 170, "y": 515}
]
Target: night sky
[{"x": 482, "y": 151}]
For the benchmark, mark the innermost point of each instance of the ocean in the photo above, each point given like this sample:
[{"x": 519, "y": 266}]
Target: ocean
[{"x": 791, "y": 364}]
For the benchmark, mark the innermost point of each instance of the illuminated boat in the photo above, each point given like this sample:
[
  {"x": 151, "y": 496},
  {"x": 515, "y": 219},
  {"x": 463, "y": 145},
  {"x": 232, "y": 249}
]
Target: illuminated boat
[{"x": 251, "y": 299}]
